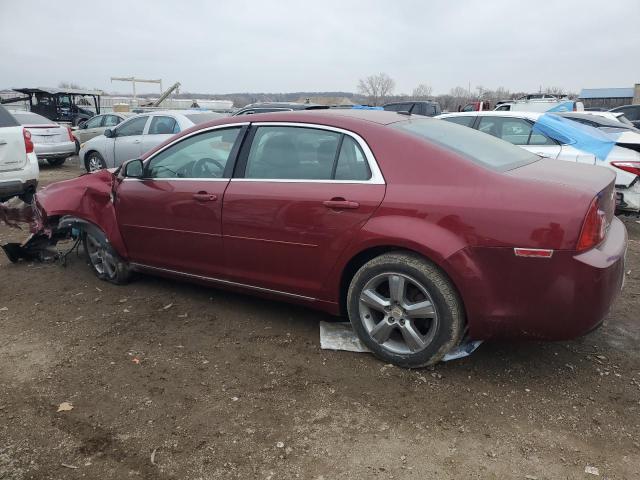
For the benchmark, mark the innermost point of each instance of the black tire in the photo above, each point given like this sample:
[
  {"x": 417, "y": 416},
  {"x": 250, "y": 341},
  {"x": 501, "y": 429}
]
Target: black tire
[
  {"x": 427, "y": 285},
  {"x": 26, "y": 197},
  {"x": 94, "y": 158},
  {"x": 56, "y": 162},
  {"x": 104, "y": 260},
  {"x": 77, "y": 145}
]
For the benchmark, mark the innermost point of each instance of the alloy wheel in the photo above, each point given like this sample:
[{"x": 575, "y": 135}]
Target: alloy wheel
[
  {"x": 101, "y": 259},
  {"x": 94, "y": 163},
  {"x": 398, "y": 313}
]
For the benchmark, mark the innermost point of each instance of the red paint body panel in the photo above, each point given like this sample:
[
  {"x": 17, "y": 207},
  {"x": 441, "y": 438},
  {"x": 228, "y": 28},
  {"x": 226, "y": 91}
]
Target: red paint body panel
[
  {"x": 165, "y": 224},
  {"x": 280, "y": 235},
  {"x": 465, "y": 218}
]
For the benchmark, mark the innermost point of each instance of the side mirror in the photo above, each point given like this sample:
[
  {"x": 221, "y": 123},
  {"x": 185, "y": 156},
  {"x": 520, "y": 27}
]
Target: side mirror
[
  {"x": 109, "y": 133},
  {"x": 133, "y": 169}
]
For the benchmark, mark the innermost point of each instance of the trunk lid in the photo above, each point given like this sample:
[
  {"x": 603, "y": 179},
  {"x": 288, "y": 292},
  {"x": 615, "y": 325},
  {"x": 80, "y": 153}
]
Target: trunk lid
[
  {"x": 48, "y": 133},
  {"x": 590, "y": 180}
]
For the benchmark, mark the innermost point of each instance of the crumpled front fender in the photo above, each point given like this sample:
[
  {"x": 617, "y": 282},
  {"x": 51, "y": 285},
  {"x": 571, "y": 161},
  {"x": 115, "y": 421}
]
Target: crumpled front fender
[{"x": 88, "y": 198}]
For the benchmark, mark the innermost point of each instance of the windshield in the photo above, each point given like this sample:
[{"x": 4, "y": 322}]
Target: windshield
[
  {"x": 29, "y": 118},
  {"x": 203, "y": 117},
  {"x": 483, "y": 149}
]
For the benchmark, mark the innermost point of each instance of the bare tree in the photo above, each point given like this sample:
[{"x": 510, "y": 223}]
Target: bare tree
[
  {"x": 557, "y": 91},
  {"x": 422, "y": 91},
  {"x": 376, "y": 88}
]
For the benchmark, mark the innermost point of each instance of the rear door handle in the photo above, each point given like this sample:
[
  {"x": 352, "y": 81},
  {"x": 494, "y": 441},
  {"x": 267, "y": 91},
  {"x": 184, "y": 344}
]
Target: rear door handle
[
  {"x": 136, "y": 141},
  {"x": 3, "y": 141},
  {"x": 340, "y": 203},
  {"x": 205, "y": 197}
]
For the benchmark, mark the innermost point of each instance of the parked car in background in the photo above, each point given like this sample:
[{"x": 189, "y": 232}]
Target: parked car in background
[
  {"x": 608, "y": 122},
  {"x": 136, "y": 135},
  {"x": 96, "y": 125},
  {"x": 270, "y": 107},
  {"x": 632, "y": 112},
  {"x": 550, "y": 135},
  {"x": 541, "y": 104},
  {"x": 19, "y": 169},
  {"x": 476, "y": 106},
  {"x": 424, "y": 233},
  {"x": 425, "y": 108},
  {"x": 53, "y": 143}
]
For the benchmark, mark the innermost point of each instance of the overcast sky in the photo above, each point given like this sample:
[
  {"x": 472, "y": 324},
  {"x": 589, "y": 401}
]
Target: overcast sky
[{"x": 285, "y": 45}]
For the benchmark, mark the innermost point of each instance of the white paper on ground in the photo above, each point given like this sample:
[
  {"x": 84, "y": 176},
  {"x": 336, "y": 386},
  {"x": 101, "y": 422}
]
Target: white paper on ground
[{"x": 340, "y": 336}]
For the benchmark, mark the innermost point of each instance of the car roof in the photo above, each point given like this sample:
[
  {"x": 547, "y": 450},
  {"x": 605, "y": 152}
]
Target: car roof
[
  {"x": 493, "y": 113},
  {"x": 410, "y": 101}
]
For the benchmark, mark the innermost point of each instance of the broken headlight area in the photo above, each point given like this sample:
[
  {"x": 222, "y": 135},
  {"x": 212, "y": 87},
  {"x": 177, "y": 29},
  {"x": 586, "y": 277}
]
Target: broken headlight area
[{"x": 41, "y": 243}]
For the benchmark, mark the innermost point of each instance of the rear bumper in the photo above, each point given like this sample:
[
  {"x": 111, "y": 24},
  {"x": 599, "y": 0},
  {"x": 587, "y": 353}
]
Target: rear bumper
[
  {"x": 55, "y": 150},
  {"x": 559, "y": 298},
  {"x": 628, "y": 198},
  {"x": 12, "y": 188}
]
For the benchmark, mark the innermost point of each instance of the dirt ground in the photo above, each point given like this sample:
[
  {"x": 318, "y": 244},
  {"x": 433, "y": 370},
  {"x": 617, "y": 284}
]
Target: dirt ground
[{"x": 174, "y": 381}]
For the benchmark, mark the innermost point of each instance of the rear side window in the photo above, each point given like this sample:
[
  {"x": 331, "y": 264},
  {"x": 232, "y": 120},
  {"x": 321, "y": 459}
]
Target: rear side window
[
  {"x": 163, "y": 126},
  {"x": 482, "y": 149},
  {"x": 301, "y": 153},
  {"x": 6, "y": 119},
  {"x": 466, "y": 121},
  {"x": 135, "y": 126},
  {"x": 94, "y": 122},
  {"x": 352, "y": 164},
  {"x": 513, "y": 130}
]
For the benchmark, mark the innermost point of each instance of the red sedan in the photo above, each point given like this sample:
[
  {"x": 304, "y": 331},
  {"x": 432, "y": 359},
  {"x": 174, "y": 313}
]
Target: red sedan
[{"x": 423, "y": 232}]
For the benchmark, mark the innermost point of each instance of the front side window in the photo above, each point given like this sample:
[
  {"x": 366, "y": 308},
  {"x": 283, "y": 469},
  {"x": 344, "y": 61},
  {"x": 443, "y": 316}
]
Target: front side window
[
  {"x": 94, "y": 122},
  {"x": 163, "y": 126},
  {"x": 201, "y": 156},
  {"x": 135, "y": 126}
]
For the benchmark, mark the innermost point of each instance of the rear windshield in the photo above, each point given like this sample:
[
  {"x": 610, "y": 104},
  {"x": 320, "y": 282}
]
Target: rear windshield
[
  {"x": 6, "y": 120},
  {"x": 481, "y": 148},
  {"x": 203, "y": 117},
  {"x": 28, "y": 118}
]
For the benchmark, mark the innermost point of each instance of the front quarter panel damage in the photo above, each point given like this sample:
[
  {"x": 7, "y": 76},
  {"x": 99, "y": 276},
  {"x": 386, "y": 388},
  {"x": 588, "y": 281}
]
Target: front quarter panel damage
[{"x": 88, "y": 198}]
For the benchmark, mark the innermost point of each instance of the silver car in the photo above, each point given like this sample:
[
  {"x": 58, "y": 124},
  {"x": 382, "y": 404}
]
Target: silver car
[
  {"x": 52, "y": 142},
  {"x": 136, "y": 135},
  {"x": 97, "y": 125}
]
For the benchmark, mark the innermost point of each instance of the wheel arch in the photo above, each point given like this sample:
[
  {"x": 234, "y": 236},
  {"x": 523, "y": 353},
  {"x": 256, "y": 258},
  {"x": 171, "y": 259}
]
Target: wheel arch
[{"x": 369, "y": 253}]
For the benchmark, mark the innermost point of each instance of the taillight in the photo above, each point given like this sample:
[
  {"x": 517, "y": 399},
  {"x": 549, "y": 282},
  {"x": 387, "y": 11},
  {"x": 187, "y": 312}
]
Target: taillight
[
  {"x": 28, "y": 143},
  {"x": 594, "y": 227},
  {"x": 70, "y": 134},
  {"x": 631, "y": 167}
]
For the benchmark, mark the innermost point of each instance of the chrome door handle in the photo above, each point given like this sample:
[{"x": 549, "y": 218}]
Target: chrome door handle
[
  {"x": 3, "y": 141},
  {"x": 136, "y": 141},
  {"x": 205, "y": 197}
]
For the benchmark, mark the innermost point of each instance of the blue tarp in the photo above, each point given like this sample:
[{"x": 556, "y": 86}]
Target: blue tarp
[
  {"x": 563, "y": 107},
  {"x": 365, "y": 107},
  {"x": 583, "y": 137}
]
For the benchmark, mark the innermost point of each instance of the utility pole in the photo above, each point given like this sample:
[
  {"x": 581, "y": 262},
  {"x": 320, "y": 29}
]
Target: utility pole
[{"x": 139, "y": 80}]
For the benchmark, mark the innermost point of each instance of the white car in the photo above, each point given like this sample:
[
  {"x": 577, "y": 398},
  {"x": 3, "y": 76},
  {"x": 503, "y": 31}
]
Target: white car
[
  {"x": 563, "y": 139},
  {"x": 52, "y": 142},
  {"x": 19, "y": 170},
  {"x": 136, "y": 135}
]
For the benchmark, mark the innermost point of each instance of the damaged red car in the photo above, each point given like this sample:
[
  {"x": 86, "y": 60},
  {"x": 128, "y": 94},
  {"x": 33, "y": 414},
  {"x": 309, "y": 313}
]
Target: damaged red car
[{"x": 424, "y": 233}]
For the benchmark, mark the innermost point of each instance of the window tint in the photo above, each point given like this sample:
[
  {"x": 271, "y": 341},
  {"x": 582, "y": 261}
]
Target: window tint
[
  {"x": 477, "y": 147},
  {"x": 292, "y": 153},
  {"x": 201, "y": 156},
  {"x": 135, "y": 126},
  {"x": 163, "y": 126},
  {"x": 111, "y": 121},
  {"x": 95, "y": 122},
  {"x": 466, "y": 121},
  {"x": 513, "y": 130},
  {"x": 352, "y": 164}
]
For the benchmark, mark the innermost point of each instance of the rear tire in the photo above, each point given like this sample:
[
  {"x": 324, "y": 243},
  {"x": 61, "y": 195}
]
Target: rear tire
[
  {"x": 405, "y": 310},
  {"x": 104, "y": 260},
  {"x": 94, "y": 162},
  {"x": 56, "y": 162}
]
